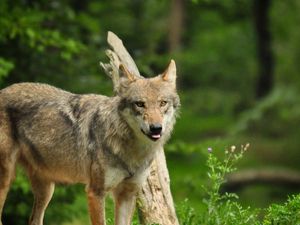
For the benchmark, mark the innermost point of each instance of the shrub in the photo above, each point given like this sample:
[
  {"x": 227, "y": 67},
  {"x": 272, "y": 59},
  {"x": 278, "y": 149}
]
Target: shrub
[
  {"x": 286, "y": 214},
  {"x": 223, "y": 208}
]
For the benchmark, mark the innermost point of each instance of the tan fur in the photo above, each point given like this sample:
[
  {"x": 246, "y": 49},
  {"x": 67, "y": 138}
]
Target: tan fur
[{"x": 107, "y": 143}]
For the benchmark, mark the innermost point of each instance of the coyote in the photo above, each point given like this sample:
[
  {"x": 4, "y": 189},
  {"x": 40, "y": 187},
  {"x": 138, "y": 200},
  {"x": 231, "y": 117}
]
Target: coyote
[{"x": 106, "y": 143}]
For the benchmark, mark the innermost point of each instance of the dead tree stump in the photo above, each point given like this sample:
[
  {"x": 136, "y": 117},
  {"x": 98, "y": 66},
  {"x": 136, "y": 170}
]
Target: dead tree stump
[{"x": 155, "y": 202}]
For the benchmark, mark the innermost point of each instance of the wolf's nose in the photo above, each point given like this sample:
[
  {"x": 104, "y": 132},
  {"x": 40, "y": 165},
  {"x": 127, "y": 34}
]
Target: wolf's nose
[{"x": 155, "y": 128}]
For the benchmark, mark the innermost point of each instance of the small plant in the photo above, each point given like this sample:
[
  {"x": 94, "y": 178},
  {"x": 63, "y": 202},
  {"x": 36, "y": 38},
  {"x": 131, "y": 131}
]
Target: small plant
[
  {"x": 186, "y": 214},
  {"x": 222, "y": 208}
]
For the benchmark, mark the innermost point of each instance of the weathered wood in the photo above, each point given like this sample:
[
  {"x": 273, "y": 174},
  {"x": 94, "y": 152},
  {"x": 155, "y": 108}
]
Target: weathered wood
[
  {"x": 112, "y": 68},
  {"x": 118, "y": 48},
  {"x": 244, "y": 178},
  {"x": 155, "y": 202}
]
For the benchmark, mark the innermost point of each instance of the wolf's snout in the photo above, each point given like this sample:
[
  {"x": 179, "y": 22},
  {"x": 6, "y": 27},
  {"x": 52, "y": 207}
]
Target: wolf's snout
[
  {"x": 155, "y": 128},
  {"x": 155, "y": 131}
]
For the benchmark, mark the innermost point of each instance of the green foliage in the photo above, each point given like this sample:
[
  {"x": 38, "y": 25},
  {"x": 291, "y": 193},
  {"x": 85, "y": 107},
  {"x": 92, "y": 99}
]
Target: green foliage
[
  {"x": 223, "y": 208},
  {"x": 26, "y": 25},
  {"x": 219, "y": 208},
  {"x": 5, "y": 68},
  {"x": 217, "y": 55},
  {"x": 286, "y": 41},
  {"x": 286, "y": 214},
  {"x": 282, "y": 106}
]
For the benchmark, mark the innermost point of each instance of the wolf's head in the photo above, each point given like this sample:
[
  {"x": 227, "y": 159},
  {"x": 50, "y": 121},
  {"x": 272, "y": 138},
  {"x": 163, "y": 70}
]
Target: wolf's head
[{"x": 149, "y": 105}]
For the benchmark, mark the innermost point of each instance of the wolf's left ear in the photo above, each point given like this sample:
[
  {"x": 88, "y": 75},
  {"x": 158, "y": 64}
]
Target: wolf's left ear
[
  {"x": 170, "y": 73},
  {"x": 125, "y": 73}
]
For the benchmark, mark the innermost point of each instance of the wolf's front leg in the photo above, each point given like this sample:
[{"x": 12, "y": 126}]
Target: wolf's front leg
[
  {"x": 125, "y": 198},
  {"x": 96, "y": 203}
]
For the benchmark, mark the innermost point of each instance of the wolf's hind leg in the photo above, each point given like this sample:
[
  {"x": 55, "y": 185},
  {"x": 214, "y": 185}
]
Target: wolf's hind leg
[
  {"x": 7, "y": 169},
  {"x": 8, "y": 159},
  {"x": 42, "y": 192}
]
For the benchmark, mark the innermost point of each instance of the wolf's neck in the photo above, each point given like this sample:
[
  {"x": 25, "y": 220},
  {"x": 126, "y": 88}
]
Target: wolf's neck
[
  {"x": 116, "y": 129},
  {"x": 120, "y": 140}
]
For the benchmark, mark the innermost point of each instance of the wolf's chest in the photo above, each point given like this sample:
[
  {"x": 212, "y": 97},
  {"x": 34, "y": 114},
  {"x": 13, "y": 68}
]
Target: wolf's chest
[{"x": 113, "y": 177}]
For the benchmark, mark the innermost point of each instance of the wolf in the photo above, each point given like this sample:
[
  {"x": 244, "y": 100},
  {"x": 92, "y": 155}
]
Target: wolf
[{"x": 106, "y": 143}]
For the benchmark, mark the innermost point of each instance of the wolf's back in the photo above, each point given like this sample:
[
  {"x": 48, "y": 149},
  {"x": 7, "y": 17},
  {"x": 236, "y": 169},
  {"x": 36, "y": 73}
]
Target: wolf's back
[
  {"x": 33, "y": 93},
  {"x": 41, "y": 121}
]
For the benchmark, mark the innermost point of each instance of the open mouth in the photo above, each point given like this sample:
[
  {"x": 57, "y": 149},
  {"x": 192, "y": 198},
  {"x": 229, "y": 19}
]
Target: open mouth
[{"x": 153, "y": 136}]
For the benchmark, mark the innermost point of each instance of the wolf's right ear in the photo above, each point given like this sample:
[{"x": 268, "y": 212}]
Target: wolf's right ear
[
  {"x": 124, "y": 73},
  {"x": 170, "y": 74}
]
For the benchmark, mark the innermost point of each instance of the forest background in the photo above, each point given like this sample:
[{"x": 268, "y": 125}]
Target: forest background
[{"x": 238, "y": 79}]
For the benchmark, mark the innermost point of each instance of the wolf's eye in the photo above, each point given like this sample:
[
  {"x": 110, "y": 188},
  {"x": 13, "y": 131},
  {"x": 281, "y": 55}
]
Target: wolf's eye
[
  {"x": 140, "y": 104},
  {"x": 163, "y": 103}
]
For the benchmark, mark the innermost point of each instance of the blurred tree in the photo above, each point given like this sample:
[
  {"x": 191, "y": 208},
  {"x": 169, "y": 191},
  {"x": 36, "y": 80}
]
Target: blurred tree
[
  {"x": 286, "y": 46},
  {"x": 218, "y": 55},
  {"x": 176, "y": 21},
  {"x": 265, "y": 79}
]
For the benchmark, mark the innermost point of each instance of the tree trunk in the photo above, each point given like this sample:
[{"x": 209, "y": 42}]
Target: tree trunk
[
  {"x": 155, "y": 202},
  {"x": 176, "y": 24},
  {"x": 239, "y": 180},
  {"x": 264, "y": 47}
]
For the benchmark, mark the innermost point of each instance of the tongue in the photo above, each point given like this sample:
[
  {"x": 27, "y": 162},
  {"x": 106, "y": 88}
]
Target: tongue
[{"x": 156, "y": 136}]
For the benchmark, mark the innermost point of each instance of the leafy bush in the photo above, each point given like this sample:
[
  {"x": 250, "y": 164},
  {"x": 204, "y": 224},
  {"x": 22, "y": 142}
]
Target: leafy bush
[
  {"x": 223, "y": 209},
  {"x": 286, "y": 214}
]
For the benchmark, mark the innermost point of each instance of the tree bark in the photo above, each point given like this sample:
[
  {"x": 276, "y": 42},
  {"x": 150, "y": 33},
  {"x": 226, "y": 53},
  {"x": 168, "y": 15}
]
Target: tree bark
[
  {"x": 238, "y": 180},
  {"x": 176, "y": 21},
  {"x": 264, "y": 47},
  {"x": 155, "y": 202}
]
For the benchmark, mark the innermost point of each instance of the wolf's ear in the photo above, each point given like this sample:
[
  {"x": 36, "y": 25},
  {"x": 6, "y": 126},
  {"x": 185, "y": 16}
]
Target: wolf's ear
[
  {"x": 170, "y": 73},
  {"x": 124, "y": 73}
]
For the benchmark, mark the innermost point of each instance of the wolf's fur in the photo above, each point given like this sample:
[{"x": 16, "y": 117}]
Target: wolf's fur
[{"x": 103, "y": 142}]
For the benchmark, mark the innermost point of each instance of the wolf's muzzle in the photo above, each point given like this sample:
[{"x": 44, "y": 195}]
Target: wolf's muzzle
[
  {"x": 155, "y": 131},
  {"x": 155, "y": 128}
]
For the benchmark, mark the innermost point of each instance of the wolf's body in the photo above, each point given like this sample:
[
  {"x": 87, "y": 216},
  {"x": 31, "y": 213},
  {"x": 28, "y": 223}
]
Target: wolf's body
[{"x": 107, "y": 143}]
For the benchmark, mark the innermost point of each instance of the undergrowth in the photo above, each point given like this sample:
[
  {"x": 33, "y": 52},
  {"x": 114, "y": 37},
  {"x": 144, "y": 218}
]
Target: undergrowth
[{"x": 223, "y": 208}]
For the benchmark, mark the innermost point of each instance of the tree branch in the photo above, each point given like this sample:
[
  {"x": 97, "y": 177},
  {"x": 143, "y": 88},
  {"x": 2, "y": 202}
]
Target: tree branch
[{"x": 241, "y": 179}]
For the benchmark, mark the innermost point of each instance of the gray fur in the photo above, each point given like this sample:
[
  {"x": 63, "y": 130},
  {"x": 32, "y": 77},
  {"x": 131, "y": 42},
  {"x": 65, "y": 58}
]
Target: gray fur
[{"x": 91, "y": 139}]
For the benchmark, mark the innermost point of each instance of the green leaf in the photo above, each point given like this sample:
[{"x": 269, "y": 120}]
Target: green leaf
[{"x": 5, "y": 67}]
